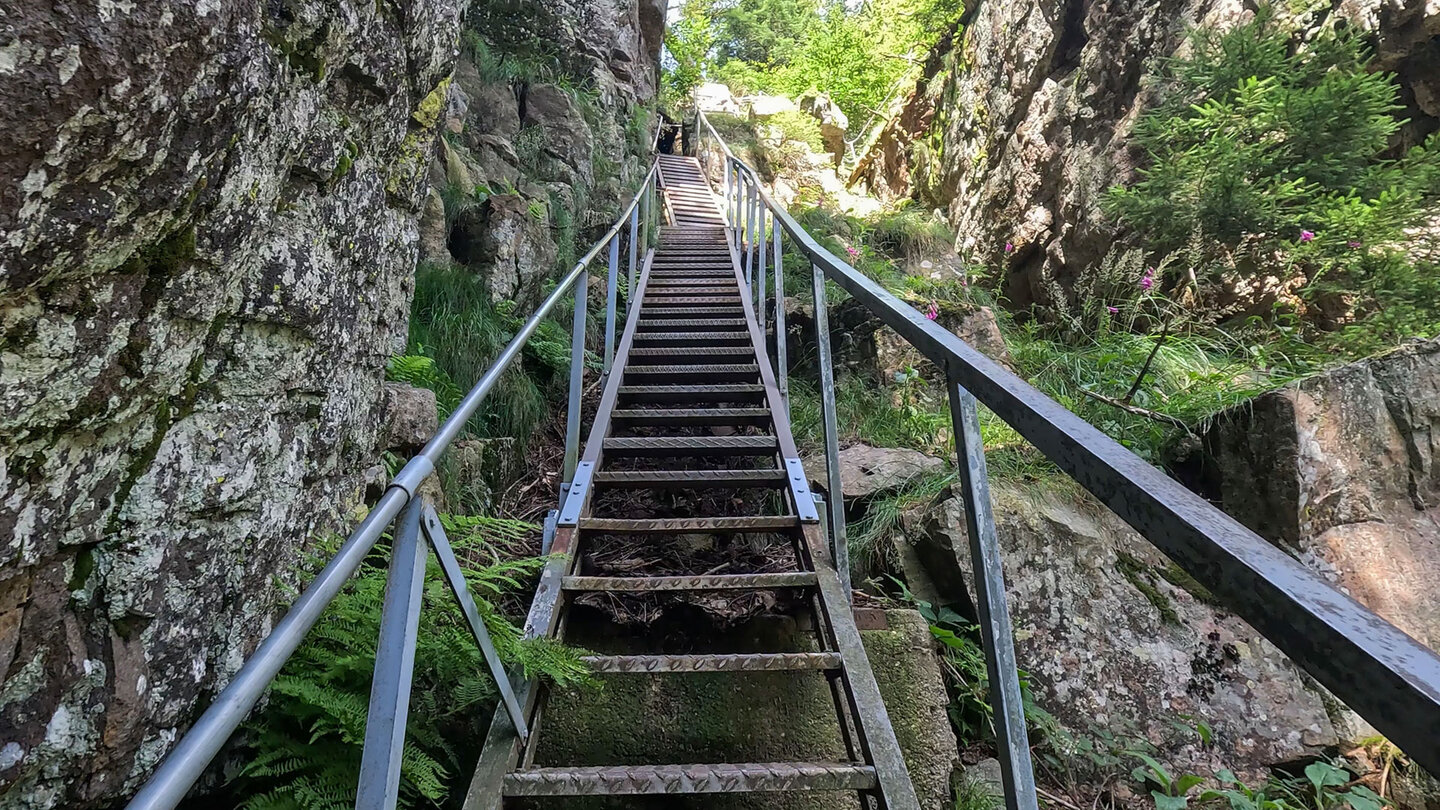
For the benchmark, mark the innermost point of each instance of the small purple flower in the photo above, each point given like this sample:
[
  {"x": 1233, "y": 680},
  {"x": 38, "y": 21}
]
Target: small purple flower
[
  {"x": 1009, "y": 247},
  {"x": 1149, "y": 280},
  {"x": 1352, "y": 244},
  {"x": 933, "y": 311},
  {"x": 1307, "y": 236},
  {"x": 1112, "y": 310},
  {"x": 852, "y": 251}
]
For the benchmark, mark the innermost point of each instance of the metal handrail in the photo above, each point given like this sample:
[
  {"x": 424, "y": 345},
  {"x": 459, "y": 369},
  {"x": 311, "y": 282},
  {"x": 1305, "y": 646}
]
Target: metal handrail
[
  {"x": 1389, "y": 678},
  {"x": 193, "y": 754}
]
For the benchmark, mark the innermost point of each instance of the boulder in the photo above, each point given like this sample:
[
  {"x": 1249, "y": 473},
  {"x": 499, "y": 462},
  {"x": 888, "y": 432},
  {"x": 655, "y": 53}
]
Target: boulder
[
  {"x": 763, "y": 106},
  {"x": 867, "y": 472},
  {"x": 510, "y": 239},
  {"x": 833, "y": 122},
  {"x": 1343, "y": 469},
  {"x": 716, "y": 97},
  {"x": 433, "y": 231},
  {"x": 410, "y": 417},
  {"x": 1116, "y": 638},
  {"x": 553, "y": 126}
]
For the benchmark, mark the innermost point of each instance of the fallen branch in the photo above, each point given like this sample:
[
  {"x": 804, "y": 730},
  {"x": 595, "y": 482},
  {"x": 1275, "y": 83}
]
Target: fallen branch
[
  {"x": 1139, "y": 411},
  {"x": 1052, "y": 797}
]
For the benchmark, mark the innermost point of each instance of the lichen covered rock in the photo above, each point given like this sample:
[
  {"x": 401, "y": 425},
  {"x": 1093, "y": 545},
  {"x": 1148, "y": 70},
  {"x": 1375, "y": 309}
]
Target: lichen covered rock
[{"x": 208, "y": 232}]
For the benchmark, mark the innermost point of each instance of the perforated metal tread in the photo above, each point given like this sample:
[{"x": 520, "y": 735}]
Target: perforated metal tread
[
  {"x": 697, "y": 479},
  {"x": 635, "y": 780},
  {"x": 662, "y": 446},
  {"x": 712, "y": 582},
  {"x": 689, "y": 417},
  {"x": 735, "y": 662}
]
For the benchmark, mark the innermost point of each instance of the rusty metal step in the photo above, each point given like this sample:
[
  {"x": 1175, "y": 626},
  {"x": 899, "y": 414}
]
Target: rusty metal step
[
  {"x": 735, "y": 662},
  {"x": 688, "y": 324},
  {"x": 693, "y": 338},
  {"x": 691, "y": 417},
  {"x": 661, "y": 446},
  {"x": 730, "y": 372},
  {"x": 691, "y": 479},
  {"x": 709, "y": 582},
  {"x": 697, "y": 525},
  {"x": 638, "y": 780},
  {"x": 681, "y": 394},
  {"x": 695, "y": 354},
  {"x": 733, "y": 310},
  {"x": 698, "y": 300}
]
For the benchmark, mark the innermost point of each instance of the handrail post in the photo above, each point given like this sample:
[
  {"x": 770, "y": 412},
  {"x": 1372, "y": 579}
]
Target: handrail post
[
  {"x": 760, "y": 272},
  {"x": 726, "y": 193},
  {"x": 834, "y": 489},
  {"x": 394, "y": 667},
  {"x": 733, "y": 204},
  {"x": 782, "y": 369},
  {"x": 750, "y": 222},
  {"x": 611, "y": 290},
  {"x": 577, "y": 382},
  {"x": 630, "y": 277},
  {"x": 1012, "y": 742}
]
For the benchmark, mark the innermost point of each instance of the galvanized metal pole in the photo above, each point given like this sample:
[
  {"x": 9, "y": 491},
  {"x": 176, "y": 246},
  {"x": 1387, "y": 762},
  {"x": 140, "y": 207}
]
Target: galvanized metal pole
[
  {"x": 394, "y": 667},
  {"x": 760, "y": 273},
  {"x": 1011, "y": 739},
  {"x": 726, "y": 193},
  {"x": 834, "y": 489},
  {"x": 782, "y": 369},
  {"x": 577, "y": 382},
  {"x": 611, "y": 290},
  {"x": 634, "y": 232},
  {"x": 734, "y": 204},
  {"x": 750, "y": 223}
]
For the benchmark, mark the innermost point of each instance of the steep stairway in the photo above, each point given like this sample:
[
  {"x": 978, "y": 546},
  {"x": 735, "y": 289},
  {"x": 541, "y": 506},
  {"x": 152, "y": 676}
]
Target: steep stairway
[{"x": 692, "y": 406}]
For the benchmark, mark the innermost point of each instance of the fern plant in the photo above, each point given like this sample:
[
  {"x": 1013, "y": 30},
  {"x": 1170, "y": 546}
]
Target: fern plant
[{"x": 307, "y": 743}]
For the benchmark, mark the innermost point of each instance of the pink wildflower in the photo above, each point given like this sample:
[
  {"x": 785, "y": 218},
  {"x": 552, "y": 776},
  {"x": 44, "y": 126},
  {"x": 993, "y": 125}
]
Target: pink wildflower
[
  {"x": 933, "y": 312},
  {"x": 852, "y": 251},
  {"x": 1149, "y": 280},
  {"x": 1009, "y": 247},
  {"x": 1306, "y": 236},
  {"x": 1352, "y": 244},
  {"x": 1112, "y": 310}
]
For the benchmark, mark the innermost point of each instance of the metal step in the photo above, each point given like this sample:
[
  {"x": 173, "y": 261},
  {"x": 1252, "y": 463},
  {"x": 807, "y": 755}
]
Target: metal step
[
  {"x": 697, "y": 300},
  {"x": 693, "y": 338},
  {"x": 691, "y": 479},
  {"x": 733, "y": 372},
  {"x": 691, "y": 417},
  {"x": 733, "y": 310},
  {"x": 698, "y": 354},
  {"x": 638, "y": 780},
  {"x": 711, "y": 582},
  {"x": 681, "y": 394},
  {"x": 661, "y": 446},
  {"x": 734, "y": 662},
  {"x": 699, "y": 525},
  {"x": 688, "y": 324}
]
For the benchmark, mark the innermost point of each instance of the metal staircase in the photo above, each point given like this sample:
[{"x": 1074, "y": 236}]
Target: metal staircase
[{"x": 692, "y": 404}]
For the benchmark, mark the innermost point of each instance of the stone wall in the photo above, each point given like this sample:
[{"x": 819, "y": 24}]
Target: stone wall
[
  {"x": 208, "y": 234},
  {"x": 1022, "y": 119}
]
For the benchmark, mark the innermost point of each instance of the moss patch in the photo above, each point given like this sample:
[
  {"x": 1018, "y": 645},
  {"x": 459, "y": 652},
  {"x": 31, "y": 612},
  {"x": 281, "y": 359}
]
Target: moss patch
[
  {"x": 427, "y": 113},
  {"x": 1138, "y": 574}
]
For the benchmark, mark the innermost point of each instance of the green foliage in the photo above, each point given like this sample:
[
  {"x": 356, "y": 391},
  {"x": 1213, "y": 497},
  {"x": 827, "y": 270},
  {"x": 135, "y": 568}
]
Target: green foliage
[
  {"x": 308, "y": 741},
  {"x": 968, "y": 679},
  {"x": 798, "y": 126},
  {"x": 688, "y": 41},
  {"x": 1272, "y": 155},
  {"x": 972, "y": 794},
  {"x": 421, "y": 371},
  {"x": 454, "y": 324},
  {"x": 1323, "y": 787},
  {"x": 763, "y": 32}
]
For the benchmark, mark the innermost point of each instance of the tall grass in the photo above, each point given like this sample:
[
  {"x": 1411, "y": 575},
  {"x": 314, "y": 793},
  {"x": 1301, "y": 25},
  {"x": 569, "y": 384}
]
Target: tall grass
[{"x": 454, "y": 323}]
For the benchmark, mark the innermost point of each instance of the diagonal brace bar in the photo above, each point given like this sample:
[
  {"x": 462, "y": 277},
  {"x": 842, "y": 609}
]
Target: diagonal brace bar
[{"x": 455, "y": 576}]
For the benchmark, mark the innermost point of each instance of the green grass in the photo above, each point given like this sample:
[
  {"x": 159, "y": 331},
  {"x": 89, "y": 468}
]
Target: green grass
[{"x": 454, "y": 324}]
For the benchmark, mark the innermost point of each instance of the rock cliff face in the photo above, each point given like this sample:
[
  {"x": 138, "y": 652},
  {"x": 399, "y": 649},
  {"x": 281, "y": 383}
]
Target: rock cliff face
[{"x": 1022, "y": 119}]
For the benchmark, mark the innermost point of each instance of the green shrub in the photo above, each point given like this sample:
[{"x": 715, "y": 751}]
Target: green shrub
[
  {"x": 307, "y": 743},
  {"x": 1273, "y": 155},
  {"x": 798, "y": 126}
]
